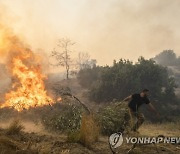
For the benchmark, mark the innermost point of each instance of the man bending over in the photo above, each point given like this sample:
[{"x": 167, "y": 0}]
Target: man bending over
[{"x": 135, "y": 101}]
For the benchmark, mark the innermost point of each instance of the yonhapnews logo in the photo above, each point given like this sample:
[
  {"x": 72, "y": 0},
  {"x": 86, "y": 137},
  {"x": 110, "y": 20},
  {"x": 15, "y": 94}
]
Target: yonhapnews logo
[{"x": 116, "y": 140}]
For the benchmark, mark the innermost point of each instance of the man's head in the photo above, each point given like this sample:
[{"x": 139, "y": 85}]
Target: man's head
[{"x": 144, "y": 92}]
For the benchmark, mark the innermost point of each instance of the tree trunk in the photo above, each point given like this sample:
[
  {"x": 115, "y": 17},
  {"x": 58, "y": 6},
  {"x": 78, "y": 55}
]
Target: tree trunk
[{"x": 67, "y": 73}]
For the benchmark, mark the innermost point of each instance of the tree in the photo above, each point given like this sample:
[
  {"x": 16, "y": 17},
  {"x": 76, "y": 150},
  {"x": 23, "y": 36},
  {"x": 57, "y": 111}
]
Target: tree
[
  {"x": 63, "y": 56},
  {"x": 84, "y": 61},
  {"x": 166, "y": 58},
  {"x": 86, "y": 77},
  {"x": 116, "y": 82},
  {"x": 124, "y": 78},
  {"x": 169, "y": 59}
]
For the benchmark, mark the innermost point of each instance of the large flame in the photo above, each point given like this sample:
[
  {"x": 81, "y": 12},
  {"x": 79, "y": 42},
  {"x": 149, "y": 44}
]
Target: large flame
[{"x": 28, "y": 88}]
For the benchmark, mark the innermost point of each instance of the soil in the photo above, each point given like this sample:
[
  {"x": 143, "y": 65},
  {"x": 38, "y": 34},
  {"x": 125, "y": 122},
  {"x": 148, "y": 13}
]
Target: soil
[{"x": 48, "y": 143}]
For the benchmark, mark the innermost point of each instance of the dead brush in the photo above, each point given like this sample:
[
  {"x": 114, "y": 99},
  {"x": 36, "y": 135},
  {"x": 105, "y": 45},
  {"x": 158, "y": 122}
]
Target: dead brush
[
  {"x": 7, "y": 144},
  {"x": 14, "y": 128},
  {"x": 89, "y": 131}
]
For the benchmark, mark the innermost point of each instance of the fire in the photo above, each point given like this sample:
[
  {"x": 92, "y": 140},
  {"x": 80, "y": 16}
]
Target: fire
[
  {"x": 59, "y": 99},
  {"x": 28, "y": 89}
]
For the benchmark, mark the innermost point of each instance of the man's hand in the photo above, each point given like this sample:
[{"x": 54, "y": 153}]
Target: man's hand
[{"x": 154, "y": 110}]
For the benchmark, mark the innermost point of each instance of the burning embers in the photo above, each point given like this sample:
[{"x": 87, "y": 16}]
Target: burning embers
[{"x": 28, "y": 89}]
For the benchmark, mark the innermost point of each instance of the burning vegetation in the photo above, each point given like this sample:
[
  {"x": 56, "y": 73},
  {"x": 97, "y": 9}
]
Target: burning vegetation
[{"x": 28, "y": 89}]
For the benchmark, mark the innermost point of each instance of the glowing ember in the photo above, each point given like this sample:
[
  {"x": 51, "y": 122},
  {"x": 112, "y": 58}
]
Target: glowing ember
[
  {"x": 28, "y": 88},
  {"x": 59, "y": 99}
]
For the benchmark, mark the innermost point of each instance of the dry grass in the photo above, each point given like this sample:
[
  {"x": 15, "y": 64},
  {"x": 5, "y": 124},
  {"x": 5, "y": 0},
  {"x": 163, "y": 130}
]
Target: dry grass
[
  {"x": 167, "y": 129},
  {"x": 6, "y": 142},
  {"x": 89, "y": 131},
  {"x": 7, "y": 146},
  {"x": 14, "y": 128}
]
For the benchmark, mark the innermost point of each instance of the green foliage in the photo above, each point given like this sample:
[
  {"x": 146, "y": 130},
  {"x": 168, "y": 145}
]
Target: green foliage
[
  {"x": 68, "y": 119},
  {"x": 114, "y": 118},
  {"x": 87, "y": 76},
  {"x": 114, "y": 82},
  {"x": 125, "y": 78},
  {"x": 167, "y": 58}
]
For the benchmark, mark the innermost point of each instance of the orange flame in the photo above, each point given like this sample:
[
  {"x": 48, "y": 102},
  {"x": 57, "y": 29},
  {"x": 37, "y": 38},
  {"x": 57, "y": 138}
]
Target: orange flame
[{"x": 28, "y": 88}]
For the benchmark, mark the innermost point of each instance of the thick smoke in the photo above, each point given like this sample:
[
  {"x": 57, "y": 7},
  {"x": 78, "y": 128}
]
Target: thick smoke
[{"x": 112, "y": 28}]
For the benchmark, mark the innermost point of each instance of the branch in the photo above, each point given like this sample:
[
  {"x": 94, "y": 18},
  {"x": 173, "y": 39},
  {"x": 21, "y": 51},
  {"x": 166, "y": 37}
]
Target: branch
[{"x": 74, "y": 97}]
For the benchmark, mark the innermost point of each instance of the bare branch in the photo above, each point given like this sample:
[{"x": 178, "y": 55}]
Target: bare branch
[{"x": 62, "y": 56}]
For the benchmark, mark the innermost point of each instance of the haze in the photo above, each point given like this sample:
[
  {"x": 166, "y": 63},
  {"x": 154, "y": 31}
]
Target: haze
[{"x": 106, "y": 29}]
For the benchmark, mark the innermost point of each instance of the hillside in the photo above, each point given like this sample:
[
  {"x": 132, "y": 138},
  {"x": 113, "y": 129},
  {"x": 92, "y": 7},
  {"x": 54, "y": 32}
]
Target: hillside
[{"x": 40, "y": 141}]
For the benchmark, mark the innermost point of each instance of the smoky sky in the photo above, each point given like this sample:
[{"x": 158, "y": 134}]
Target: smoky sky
[{"x": 106, "y": 29}]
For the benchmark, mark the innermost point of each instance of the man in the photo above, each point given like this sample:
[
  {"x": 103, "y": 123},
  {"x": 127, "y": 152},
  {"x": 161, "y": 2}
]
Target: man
[{"x": 135, "y": 101}]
